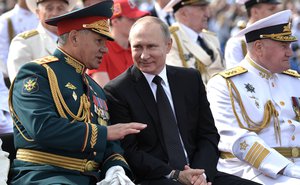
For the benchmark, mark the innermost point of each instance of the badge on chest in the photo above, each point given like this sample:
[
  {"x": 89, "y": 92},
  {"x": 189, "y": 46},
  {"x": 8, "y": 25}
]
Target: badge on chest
[{"x": 101, "y": 110}]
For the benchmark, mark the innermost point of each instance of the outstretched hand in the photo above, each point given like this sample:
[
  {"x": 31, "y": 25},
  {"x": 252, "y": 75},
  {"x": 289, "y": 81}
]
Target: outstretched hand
[{"x": 120, "y": 130}]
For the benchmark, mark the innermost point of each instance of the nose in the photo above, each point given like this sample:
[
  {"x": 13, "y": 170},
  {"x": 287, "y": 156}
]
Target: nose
[{"x": 145, "y": 54}]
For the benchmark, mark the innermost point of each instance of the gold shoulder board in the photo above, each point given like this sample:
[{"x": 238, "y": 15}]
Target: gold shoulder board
[
  {"x": 28, "y": 34},
  {"x": 209, "y": 32},
  {"x": 291, "y": 73},
  {"x": 173, "y": 29},
  {"x": 46, "y": 60},
  {"x": 233, "y": 72}
]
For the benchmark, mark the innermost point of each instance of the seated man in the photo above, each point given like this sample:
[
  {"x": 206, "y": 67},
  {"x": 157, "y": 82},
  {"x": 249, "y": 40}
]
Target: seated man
[
  {"x": 61, "y": 119},
  {"x": 180, "y": 143},
  {"x": 256, "y": 107}
]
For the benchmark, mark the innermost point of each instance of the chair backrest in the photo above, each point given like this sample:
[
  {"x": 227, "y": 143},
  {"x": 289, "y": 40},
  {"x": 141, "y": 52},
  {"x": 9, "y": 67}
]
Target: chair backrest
[{"x": 8, "y": 145}]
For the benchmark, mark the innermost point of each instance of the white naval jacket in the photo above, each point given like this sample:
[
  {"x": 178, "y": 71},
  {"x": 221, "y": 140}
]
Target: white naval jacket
[
  {"x": 192, "y": 51},
  {"x": 254, "y": 152},
  {"x": 28, "y": 46},
  {"x": 234, "y": 53},
  {"x": 21, "y": 20}
]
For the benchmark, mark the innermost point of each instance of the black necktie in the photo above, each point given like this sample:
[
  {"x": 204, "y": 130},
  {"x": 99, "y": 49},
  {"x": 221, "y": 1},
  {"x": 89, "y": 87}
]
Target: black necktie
[
  {"x": 206, "y": 48},
  {"x": 176, "y": 155},
  {"x": 168, "y": 19}
]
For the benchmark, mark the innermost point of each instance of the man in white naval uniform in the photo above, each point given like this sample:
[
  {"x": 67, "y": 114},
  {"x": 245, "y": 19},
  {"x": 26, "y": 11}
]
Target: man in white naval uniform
[
  {"x": 256, "y": 107},
  {"x": 38, "y": 43},
  {"x": 235, "y": 49},
  {"x": 193, "y": 46},
  {"x": 13, "y": 22}
]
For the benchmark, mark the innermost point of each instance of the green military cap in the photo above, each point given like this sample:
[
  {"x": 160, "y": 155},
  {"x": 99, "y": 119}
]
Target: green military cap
[{"x": 94, "y": 17}]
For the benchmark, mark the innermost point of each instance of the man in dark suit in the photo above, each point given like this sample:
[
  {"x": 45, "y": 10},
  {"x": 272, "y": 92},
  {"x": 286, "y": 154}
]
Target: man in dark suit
[{"x": 132, "y": 97}]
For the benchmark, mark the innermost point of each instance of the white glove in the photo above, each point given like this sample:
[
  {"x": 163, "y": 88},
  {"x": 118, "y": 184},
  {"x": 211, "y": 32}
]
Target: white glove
[
  {"x": 115, "y": 176},
  {"x": 292, "y": 170}
]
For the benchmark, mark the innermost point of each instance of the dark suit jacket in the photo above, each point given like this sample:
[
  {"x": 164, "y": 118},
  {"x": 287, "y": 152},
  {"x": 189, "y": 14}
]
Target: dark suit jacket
[{"x": 130, "y": 99}]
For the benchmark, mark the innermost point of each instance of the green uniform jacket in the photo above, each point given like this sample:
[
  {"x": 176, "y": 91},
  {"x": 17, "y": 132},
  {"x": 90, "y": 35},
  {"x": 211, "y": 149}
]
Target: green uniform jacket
[{"x": 60, "y": 110}]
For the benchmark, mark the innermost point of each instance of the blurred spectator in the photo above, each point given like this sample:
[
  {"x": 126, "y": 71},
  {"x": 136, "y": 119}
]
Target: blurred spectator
[
  {"x": 118, "y": 58},
  {"x": 4, "y": 163},
  {"x": 6, "y": 124},
  {"x": 194, "y": 46},
  {"x": 235, "y": 49},
  {"x": 38, "y": 43},
  {"x": 158, "y": 11},
  {"x": 13, "y": 22}
]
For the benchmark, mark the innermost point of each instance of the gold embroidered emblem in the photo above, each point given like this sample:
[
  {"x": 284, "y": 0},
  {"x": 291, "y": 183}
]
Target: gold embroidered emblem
[
  {"x": 233, "y": 72},
  {"x": 70, "y": 86},
  {"x": 76, "y": 64},
  {"x": 30, "y": 85},
  {"x": 74, "y": 95},
  {"x": 243, "y": 145},
  {"x": 287, "y": 28},
  {"x": 94, "y": 135}
]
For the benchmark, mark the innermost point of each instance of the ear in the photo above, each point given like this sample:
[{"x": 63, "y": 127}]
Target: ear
[
  {"x": 169, "y": 45},
  {"x": 258, "y": 47},
  {"x": 74, "y": 38}
]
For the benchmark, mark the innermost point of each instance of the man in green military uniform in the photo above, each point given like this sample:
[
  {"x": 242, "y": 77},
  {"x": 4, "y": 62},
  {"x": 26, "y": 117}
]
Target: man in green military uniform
[{"x": 60, "y": 113}]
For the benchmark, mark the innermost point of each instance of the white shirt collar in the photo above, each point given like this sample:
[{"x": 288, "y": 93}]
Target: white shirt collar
[{"x": 162, "y": 74}]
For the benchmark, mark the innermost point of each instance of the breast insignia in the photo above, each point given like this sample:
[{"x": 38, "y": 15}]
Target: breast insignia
[
  {"x": 28, "y": 34},
  {"x": 46, "y": 59},
  {"x": 292, "y": 73},
  {"x": 233, "y": 72}
]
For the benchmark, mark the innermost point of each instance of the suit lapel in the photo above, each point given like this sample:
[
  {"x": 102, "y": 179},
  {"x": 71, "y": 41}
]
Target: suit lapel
[{"x": 147, "y": 97}]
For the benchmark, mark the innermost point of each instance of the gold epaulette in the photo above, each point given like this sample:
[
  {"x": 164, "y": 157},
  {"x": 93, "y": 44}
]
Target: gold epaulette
[
  {"x": 28, "y": 34},
  {"x": 233, "y": 72},
  {"x": 173, "y": 29},
  {"x": 292, "y": 73},
  {"x": 209, "y": 32},
  {"x": 46, "y": 60}
]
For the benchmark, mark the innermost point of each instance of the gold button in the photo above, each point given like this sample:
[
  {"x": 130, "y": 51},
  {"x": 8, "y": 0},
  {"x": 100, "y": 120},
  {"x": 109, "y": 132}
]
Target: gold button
[
  {"x": 289, "y": 121},
  {"x": 282, "y": 103},
  {"x": 89, "y": 166},
  {"x": 293, "y": 138},
  {"x": 273, "y": 84},
  {"x": 295, "y": 152}
]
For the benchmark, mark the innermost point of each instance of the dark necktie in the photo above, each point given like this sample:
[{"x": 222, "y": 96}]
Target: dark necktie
[
  {"x": 168, "y": 19},
  {"x": 176, "y": 155},
  {"x": 206, "y": 48}
]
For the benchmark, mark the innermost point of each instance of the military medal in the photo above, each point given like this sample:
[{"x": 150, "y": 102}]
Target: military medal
[
  {"x": 249, "y": 88},
  {"x": 100, "y": 109},
  {"x": 296, "y": 107}
]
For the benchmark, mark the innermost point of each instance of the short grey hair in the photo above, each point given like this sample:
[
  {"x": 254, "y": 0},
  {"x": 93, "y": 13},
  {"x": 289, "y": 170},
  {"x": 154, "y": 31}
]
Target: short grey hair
[
  {"x": 150, "y": 20},
  {"x": 62, "y": 39}
]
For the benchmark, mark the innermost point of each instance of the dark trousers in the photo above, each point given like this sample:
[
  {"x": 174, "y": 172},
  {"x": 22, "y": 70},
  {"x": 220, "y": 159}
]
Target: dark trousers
[{"x": 220, "y": 179}]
